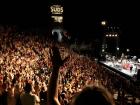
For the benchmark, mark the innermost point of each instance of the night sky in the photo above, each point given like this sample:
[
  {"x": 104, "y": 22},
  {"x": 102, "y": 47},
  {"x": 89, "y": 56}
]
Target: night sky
[{"x": 82, "y": 17}]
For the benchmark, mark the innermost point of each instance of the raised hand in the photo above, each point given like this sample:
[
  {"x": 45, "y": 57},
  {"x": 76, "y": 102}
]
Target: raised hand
[
  {"x": 53, "y": 83},
  {"x": 56, "y": 57}
]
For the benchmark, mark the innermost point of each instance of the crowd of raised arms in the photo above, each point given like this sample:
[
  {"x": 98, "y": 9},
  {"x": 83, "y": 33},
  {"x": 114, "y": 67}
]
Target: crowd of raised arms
[{"x": 35, "y": 71}]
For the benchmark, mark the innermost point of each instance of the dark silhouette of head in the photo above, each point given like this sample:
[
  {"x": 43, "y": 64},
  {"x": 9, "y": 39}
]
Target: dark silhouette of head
[
  {"x": 93, "y": 95},
  {"x": 55, "y": 36},
  {"x": 27, "y": 88}
]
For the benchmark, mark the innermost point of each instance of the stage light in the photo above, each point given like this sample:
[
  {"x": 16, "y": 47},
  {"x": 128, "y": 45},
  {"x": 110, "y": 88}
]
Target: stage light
[
  {"x": 118, "y": 48},
  {"x": 127, "y": 50},
  {"x": 103, "y": 23}
]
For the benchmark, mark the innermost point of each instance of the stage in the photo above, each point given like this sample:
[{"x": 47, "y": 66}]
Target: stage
[
  {"x": 121, "y": 76},
  {"x": 124, "y": 70}
]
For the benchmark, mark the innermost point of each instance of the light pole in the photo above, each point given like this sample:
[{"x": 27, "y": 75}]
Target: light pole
[{"x": 103, "y": 48}]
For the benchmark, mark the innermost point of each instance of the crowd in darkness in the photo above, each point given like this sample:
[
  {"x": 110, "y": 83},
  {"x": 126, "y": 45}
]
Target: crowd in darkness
[{"x": 25, "y": 58}]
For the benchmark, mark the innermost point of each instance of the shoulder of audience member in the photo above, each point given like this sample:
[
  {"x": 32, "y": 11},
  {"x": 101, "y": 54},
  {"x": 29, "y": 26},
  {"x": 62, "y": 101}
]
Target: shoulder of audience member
[{"x": 36, "y": 97}]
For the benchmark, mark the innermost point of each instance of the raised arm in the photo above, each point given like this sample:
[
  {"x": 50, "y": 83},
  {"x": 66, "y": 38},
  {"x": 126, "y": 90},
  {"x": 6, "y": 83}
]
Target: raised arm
[{"x": 52, "y": 98}]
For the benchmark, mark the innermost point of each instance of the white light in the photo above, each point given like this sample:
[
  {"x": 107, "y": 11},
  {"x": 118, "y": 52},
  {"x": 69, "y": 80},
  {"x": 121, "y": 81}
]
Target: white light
[
  {"x": 107, "y": 35},
  {"x": 118, "y": 48},
  {"x": 113, "y": 35},
  {"x": 110, "y": 35},
  {"x": 116, "y": 35},
  {"x": 103, "y": 50},
  {"x": 127, "y": 50},
  {"x": 103, "y": 23}
]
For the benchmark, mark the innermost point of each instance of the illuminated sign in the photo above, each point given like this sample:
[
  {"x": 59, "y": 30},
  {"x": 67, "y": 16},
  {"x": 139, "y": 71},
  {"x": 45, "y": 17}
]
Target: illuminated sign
[
  {"x": 58, "y": 19},
  {"x": 56, "y": 9}
]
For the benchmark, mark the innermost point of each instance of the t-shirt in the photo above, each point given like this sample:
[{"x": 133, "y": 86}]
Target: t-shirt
[{"x": 28, "y": 99}]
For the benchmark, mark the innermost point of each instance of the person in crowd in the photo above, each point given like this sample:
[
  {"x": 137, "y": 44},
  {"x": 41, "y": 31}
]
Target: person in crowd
[{"x": 28, "y": 98}]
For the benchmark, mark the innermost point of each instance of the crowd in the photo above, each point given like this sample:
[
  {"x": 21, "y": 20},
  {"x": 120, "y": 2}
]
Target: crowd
[{"x": 25, "y": 66}]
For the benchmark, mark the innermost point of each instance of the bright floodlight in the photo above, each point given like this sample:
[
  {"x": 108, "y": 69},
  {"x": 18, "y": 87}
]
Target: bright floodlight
[
  {"x": 127, "y": 50},
  {"x": 118, "y": 48},
  {"x": 103, "y": 23},
  {"x": 116, "y": 35}
]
